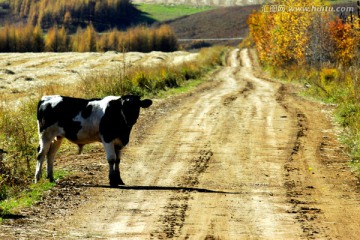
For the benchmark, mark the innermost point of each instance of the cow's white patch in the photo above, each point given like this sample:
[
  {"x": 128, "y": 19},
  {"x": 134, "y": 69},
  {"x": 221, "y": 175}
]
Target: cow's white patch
[
  {"x": 89, "y": 131},
  {"x": 52, "y": 99},
  {"x": 110, "y": 151},
  {"x": 51, "y": 133}
]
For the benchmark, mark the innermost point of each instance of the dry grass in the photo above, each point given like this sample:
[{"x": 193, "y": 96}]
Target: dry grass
[{"x": 59, "y": 70}]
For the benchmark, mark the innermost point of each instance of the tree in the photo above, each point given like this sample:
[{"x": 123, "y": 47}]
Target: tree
[
  {"x": 346, "y": 38},
  {"x": 76, "y": 41},
  {"x": 56, "y": 40},
  {"x": 166, "y": 40},
  {"x": 38, "y": 39},
  {"x": 261, "y": 25},
  {"x": 283, "y": 35},
  {"x": 321, "y": 43},
  {"x": 90, "y": 38}
]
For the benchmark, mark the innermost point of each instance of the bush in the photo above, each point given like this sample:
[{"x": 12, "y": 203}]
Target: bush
[
  {"x": 328, "y": 75},
  {"x": 348, "y": 114},
  {"x": 19, "y": 139}
]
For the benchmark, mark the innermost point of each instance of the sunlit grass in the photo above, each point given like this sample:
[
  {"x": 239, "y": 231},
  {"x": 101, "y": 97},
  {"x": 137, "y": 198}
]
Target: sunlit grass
[
  {"x": 164, "y": 12},
  {"x": 29, "y": 196}
]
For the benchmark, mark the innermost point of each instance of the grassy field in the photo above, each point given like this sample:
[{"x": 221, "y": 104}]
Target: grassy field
[{"x": 163, "y": 12}]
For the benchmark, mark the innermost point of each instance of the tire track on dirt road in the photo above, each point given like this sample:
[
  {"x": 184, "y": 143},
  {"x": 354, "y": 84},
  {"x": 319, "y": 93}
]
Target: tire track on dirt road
[{"x": 323, "y": 191}]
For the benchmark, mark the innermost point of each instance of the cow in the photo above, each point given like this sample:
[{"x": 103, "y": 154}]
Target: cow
[{"x": 82, "y": 121}]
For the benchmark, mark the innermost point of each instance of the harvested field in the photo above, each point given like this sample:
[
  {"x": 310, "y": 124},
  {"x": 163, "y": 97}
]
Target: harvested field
[{"x": 20, "y": 73}]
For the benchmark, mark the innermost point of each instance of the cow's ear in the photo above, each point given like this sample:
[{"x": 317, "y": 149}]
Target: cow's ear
[{"x": 145, "y": 103}]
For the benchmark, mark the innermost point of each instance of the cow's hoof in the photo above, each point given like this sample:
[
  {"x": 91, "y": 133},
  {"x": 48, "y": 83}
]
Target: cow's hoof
[
  {"x": 51, "y": 179},
  {"x": 113, "y": 184},
  {"x": 116, "y": 183},
  {"x": 121, "y": 182}
]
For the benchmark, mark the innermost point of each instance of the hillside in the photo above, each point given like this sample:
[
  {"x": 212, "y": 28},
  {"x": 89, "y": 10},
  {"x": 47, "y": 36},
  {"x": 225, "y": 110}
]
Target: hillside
[
  {"x": 217, "y": 3},
  {"x": 228, "y": 22},
  {"x": 104, "y": 15}
]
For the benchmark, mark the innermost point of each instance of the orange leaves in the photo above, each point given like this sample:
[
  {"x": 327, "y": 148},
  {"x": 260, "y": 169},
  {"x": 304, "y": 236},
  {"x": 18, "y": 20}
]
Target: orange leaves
[
  {"x": 292, "y": 34},
  {"x": 282, "y": 33},
  {"x": 260, "y": 25},
  {"x": 346, "y": 38}
]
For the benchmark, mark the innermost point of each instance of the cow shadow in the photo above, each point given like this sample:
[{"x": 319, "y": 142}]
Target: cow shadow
[
  {"x": 11, "y": 216},
  {"x": 164, "y": 188}
]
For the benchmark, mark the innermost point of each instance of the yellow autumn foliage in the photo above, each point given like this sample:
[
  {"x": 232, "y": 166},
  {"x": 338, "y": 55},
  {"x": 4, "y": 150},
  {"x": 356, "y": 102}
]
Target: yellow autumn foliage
[{"x": 281, "y": 30}]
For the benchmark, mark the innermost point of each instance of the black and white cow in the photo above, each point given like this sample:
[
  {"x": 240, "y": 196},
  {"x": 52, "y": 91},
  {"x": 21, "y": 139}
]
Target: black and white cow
[{"x": 108, "y": 120}]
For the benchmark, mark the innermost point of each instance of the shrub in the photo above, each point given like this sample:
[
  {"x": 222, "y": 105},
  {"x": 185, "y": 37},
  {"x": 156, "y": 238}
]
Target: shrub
[
  {"x": 19, "y": 139},
  {"x": 329, "y": 75}
]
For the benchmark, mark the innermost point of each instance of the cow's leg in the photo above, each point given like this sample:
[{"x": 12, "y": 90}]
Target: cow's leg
[
  {"x": 54, "y": 147},
  {"x": 117, "y": 164},
  {"x": 114, "y": 173},
  {"x": 44, "y": 146}
]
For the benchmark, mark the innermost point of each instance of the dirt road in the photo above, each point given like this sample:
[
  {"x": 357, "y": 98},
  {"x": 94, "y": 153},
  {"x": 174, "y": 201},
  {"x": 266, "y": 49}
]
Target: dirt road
[{"x": 238, "y": 158}]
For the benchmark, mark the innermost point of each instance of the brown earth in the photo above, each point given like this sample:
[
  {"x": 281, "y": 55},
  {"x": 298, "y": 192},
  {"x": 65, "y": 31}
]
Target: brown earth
[
  {"x": 226, "y": 22},
  {"x": 240, "y": 157}
]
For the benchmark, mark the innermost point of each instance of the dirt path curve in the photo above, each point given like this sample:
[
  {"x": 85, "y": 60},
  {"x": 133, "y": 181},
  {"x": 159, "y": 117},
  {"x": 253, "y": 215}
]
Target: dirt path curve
[{"x": 247, "y": 159}]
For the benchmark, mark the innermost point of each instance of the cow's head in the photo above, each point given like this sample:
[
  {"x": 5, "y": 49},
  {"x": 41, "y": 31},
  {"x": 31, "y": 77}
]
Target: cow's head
[{"x": 131, "y": 105}]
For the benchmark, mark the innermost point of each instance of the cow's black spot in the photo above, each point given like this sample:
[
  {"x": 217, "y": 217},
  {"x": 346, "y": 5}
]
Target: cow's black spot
[
  {"x": 62, "y": 113},
  {"x": 71, "y": 129},
  {"x": 113, "y": 125},
  {"x": 87, "y": 111},
  {"x": 131, "y": 108}
]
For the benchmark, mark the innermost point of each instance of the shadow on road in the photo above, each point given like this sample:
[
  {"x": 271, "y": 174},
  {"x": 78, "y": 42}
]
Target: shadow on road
[
  {"x": 163, "y": 188},
  {"x": 11, "y": 216}
]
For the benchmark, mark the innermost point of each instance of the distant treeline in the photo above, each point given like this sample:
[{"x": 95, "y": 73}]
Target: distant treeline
[
  {"x": 29, "y": 38},
  {"x": 103, "y": 14}
]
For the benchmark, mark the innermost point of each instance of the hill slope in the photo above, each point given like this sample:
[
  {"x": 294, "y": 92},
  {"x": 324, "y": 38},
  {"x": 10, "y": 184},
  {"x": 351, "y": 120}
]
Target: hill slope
[
  {"x": 228, "y": 22},
  {"x": 216, "y": 3}
]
